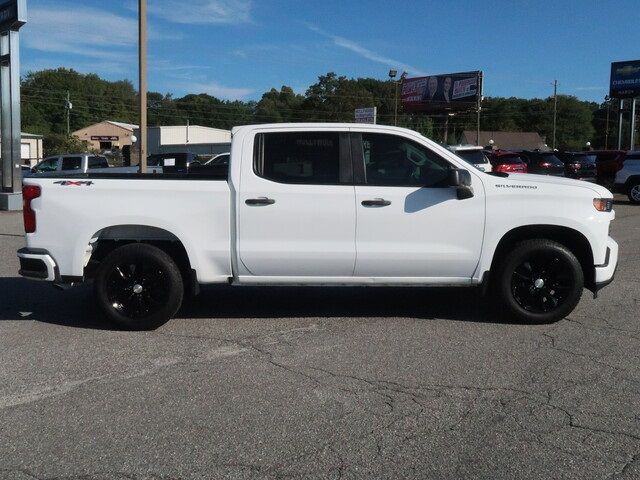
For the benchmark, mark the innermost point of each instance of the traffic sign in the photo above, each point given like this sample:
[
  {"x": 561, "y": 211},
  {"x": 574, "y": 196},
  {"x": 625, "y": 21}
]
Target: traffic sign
[{"x": 366, "y": 115}]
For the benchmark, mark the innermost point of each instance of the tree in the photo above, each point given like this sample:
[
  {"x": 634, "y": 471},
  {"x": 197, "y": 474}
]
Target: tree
[
  {"x": 280, "y": 106},
  {"x": 59, "y": 144}
]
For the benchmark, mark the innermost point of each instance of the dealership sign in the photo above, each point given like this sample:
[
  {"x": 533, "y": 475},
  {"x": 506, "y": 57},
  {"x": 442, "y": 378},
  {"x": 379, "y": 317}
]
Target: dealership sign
[
  {"x": 366, "y": 115},
  {"x": 625, "y": 79},
  {"x": 13, "y": 14},
  {"x": 104, "y": 138},
  {"x": 441, "y": 93}
]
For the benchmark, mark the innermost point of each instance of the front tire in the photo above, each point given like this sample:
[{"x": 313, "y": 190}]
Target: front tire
[
  {"x": 139, "y": 287},
  {"x": 539, "y": 281},
  {"x": 634, "y": 193}
]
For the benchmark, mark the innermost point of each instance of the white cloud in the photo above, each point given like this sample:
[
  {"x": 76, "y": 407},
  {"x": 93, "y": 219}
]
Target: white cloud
[
  {"x": 217, "y": 90},
  {"x": 365, "y": 52},
  {"x": 86, "y": 31},
  {"x": 228, "y": 12}
]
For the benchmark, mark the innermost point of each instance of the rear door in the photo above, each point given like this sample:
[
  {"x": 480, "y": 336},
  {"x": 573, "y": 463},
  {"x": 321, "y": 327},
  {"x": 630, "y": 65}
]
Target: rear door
[
  {"x": 296, "y": 206},
  {"x": 410, "y": 224}
]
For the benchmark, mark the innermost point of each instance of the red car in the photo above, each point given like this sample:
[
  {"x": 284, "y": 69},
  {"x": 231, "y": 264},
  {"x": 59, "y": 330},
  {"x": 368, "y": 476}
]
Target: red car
[
  {"x": 608, "y": 163},
  {"x": 507, "y": 162}
]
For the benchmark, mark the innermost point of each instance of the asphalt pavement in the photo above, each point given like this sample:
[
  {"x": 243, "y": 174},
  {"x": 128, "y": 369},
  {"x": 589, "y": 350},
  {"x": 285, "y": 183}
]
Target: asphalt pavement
[{"x": 319, "y": 383}]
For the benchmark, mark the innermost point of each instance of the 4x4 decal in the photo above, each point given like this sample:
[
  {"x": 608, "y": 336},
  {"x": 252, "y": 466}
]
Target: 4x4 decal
[{"x": 69, "y": 183}]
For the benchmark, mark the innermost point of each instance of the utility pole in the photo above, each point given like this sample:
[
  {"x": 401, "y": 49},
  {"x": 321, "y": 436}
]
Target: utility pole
[
  {"x": 555, "y": 112},
  {"x": 142, "y": 53},
  {"x": 68, "y": 107}
]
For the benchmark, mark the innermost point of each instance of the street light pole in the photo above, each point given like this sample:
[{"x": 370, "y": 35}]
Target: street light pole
[
  {"x": 607, "y": 99},
  {"x": 142, "y": 53},
  {"x": 392, "y": 76},
  {"x": 395, "y": 116}
]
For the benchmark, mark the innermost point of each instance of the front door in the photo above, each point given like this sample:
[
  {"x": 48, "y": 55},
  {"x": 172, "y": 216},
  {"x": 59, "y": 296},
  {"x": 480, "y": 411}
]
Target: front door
[
  {"x": 297, "y": 206},
  {"x": 410, "y": 223}
]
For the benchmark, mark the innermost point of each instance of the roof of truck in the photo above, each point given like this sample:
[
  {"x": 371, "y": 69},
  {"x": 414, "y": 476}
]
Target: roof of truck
[{"x": 320, "y": 125}]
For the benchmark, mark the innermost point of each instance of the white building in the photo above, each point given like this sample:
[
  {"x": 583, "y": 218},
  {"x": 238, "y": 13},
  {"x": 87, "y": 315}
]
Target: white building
[
  {"x": 31, "y": 149},
  {"x": 192, "y": 138}
]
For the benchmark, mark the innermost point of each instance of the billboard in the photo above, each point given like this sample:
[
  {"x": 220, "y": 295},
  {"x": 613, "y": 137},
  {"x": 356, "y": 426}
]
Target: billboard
[
  {"x": 442, "y": 93},
  {"x": 625, "y": 79}
]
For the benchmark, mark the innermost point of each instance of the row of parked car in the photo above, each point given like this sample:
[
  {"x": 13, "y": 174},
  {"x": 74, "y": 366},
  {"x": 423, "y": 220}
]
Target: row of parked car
[
  {"x": 616, "y": 170},
  {"x": 73, "y": 164}
]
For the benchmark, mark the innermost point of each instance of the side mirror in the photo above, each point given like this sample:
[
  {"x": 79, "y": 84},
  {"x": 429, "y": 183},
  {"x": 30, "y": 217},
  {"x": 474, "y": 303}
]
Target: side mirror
[{"x": 461, "y": 180}]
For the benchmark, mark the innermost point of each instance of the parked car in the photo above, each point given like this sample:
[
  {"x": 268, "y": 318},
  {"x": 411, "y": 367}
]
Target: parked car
[
  {"x": 77, "y": 164},
  {"x": 608, "y": 162},
  {"x": 322, "y": 204},
  {"x": 627, "y": 179},
  {"x": 473, "y": 155},
  {"x": 505, "y": 161},
  {"x": 542, "y": 163},
  {"x": 220, "y": 159},
  {"x": 579, "y": 165}
]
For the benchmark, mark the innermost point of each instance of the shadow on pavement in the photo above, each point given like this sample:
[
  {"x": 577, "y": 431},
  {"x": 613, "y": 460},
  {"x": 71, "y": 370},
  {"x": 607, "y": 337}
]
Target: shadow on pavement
[{"x": 22, "y": 299}]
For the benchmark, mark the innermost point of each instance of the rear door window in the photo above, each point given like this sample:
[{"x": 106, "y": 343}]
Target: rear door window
[
  {"x": 509, "y": 159},
  {"x": 72, "y": 163},
  {"x": 98, "y": 162},
  {"x": 311, "y": 158}
]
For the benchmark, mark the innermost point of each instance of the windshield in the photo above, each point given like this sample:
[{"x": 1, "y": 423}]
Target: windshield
[{"x": 475, "y": 157}]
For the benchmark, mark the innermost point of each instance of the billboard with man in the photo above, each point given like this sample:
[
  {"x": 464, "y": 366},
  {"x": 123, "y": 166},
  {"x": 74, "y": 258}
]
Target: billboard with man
[
  {"x": 442, "y": 93},
  {"x": 625, "y": 79}
]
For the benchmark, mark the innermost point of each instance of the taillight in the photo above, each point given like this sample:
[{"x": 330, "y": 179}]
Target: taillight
[
  {"x": 545, "y": 164},
  {"x": 29, "y": 193}
]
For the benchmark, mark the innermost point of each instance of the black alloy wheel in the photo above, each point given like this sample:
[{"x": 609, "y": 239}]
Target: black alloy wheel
[
  {"x": 541, "y": 284},
  {"x": 139, "y": 287},
  {"x": 537, "y": 281},
  {"x": 137, "y": 290}
]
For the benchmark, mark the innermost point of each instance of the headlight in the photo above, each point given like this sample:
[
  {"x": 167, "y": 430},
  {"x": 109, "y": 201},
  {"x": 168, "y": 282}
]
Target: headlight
[{"x": 603, "y": 204}]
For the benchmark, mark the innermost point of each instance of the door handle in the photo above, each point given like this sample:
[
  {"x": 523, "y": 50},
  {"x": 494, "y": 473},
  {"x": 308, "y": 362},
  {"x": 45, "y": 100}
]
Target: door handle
[
  {"x": 262, "y": 201},
  {"x": 376, "y": 202}
]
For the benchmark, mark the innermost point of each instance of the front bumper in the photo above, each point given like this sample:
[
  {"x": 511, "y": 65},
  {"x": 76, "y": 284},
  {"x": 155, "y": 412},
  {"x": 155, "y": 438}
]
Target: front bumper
[
  {"x": 38, "y": 264},
  {"x": 605, "y": 272}
]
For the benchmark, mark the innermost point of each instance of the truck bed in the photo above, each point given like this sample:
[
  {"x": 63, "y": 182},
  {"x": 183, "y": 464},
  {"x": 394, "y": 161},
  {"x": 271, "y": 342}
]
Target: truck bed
[{"x": 195, "y": 208}]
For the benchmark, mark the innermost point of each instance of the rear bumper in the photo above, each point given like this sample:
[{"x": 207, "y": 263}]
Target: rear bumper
[
  {"x": 605, "y": 272},
  {"x": 38, "y": 264}
]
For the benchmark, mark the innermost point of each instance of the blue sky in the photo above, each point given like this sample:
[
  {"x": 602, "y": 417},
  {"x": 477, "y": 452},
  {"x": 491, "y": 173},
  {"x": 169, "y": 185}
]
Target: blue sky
[{"x": 237, "y": 49}]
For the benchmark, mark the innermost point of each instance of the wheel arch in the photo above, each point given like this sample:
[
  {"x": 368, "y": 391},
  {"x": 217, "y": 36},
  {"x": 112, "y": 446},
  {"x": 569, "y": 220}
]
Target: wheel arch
[
  {"x": 104, "y": 241},
  {"x": 572, "y": 239}
]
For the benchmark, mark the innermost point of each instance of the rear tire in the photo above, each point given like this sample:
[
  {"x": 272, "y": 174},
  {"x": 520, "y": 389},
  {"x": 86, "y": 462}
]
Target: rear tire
[
  {"x": 539, "y": 281},
  {"x": 139, "y": 287},
  {"x": 634, "y": 193}
]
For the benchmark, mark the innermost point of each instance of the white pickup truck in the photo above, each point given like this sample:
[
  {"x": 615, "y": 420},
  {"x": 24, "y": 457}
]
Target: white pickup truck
[{"x": 321, "y": 204}]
